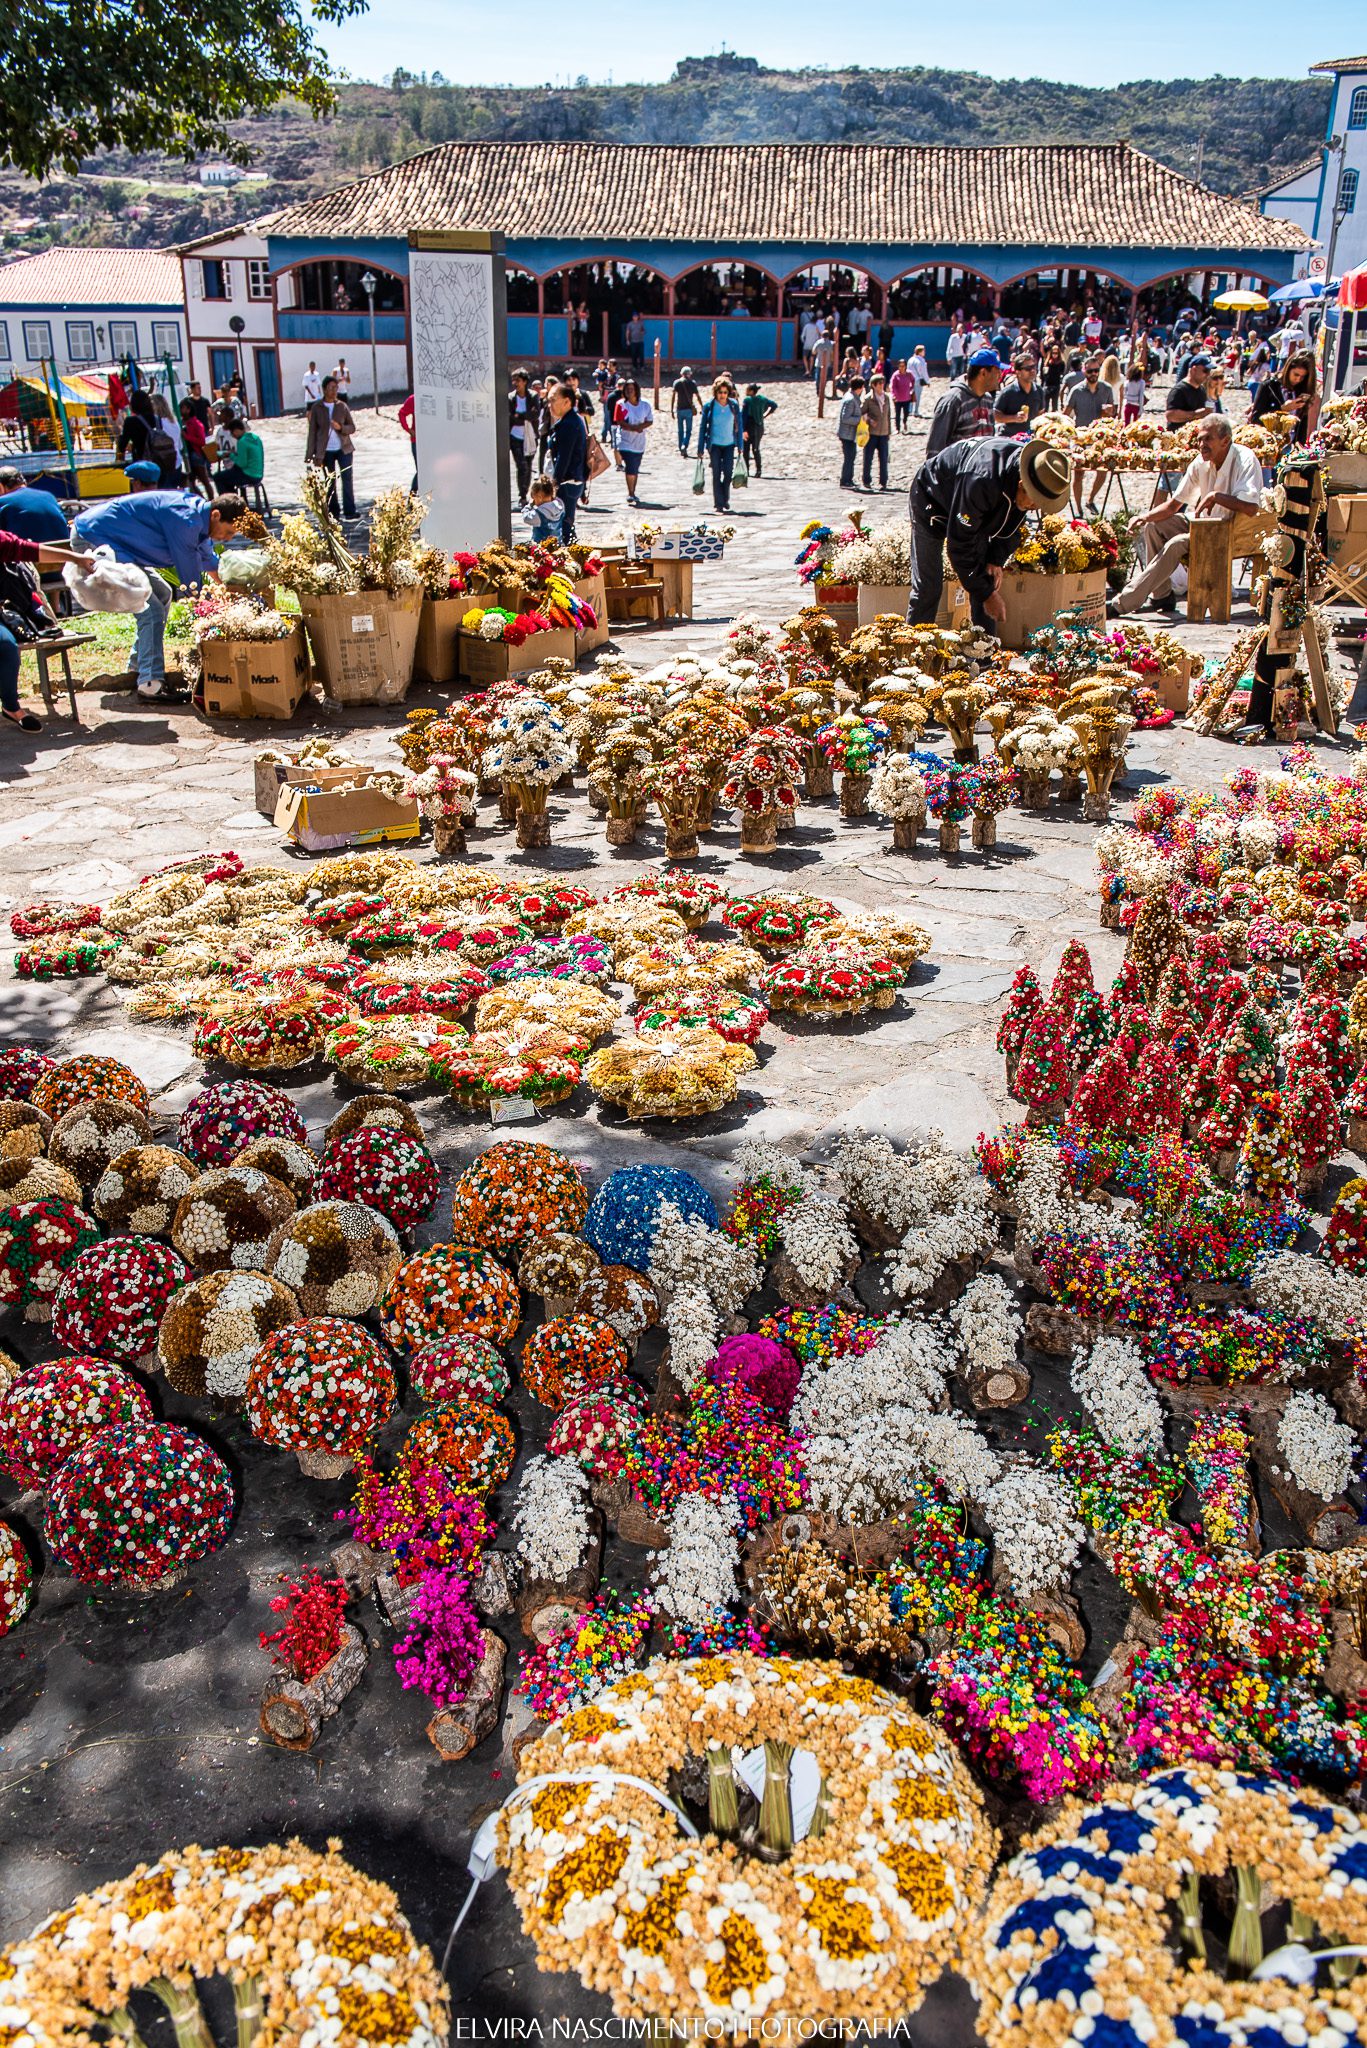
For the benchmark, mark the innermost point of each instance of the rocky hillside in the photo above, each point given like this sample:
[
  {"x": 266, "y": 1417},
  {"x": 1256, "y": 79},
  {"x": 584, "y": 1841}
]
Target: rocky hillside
[{"x": 1236, "y": 133}]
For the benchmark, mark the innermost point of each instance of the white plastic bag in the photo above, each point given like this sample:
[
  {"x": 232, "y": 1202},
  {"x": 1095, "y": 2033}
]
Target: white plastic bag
[{"x": 109, "y": 586}]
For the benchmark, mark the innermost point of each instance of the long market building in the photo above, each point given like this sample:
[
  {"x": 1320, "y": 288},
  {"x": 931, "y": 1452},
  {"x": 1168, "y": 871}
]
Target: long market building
[{"x": 722, "y": 250}]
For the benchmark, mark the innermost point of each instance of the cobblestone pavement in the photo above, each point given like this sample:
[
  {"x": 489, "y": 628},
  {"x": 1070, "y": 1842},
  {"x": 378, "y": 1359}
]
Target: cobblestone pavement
[{"x": 129, "y": 1726}]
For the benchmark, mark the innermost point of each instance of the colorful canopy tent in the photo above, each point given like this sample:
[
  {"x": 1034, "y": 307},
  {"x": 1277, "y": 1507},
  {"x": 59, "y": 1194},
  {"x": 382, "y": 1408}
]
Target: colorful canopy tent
[{"x": 30, "y": 398}]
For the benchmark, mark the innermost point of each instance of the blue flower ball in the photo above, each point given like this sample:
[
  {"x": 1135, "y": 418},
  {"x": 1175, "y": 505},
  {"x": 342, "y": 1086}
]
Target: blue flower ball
[{"x": 624, "y": 1213}]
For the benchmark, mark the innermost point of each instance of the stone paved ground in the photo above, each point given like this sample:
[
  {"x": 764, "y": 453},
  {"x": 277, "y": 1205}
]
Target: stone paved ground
[{"x": 129, "y": 1726}]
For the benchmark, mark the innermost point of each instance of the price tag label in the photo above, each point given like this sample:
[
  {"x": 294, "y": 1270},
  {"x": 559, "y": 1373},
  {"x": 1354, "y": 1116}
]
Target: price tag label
[{"x": 363, "y": 622}]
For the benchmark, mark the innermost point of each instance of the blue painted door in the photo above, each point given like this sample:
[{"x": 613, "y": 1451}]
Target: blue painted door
[
  {"x": 222, "y": 366},
  {"x": 267, "y": 382}
]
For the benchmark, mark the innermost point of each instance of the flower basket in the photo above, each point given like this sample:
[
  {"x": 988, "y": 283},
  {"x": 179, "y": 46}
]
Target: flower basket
[
  {"x": 294, "y": 1709},
  {"x": 363, "y": 642},
  {"x": 455, "y": 1731}
]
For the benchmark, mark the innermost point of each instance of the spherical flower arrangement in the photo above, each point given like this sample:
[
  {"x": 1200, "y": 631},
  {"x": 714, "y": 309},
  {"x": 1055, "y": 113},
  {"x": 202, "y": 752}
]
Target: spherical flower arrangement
[
  {"x": 309, "y": 1945},
  {"x": 623, "y": 1299},
  {"x": 223, "y": 1119},
  {"x": 387, "y": 1171},
  {"x": 1094, "y": 1929},
  {"x": 767, "y": 1370},
  {"x": 141, "y": 1189},
  {"x": 339, "y": 1258},
  {"x": 48, "y": 1412},
  {"x": 113, "y": 1296},
  {"x": 24, "y": 1130},
  {"x": 374, "y": 1112},
  {"x": 294, "y": 1165},
  {"x": 319, "y": 1388},
  {"x": 229, "y": 1217},
  {"x": 86, "y": 1078},
  {"x": 35, "y": 1180},
  {"x": 38, "y": 1241},
  {"x": 515, "y": 1191},
  {"x": 21, "y": 1068},
  {"x": 776, "y": 923},
  {"x": 90, "y": 1135},
  {"x": 596, "y": 1423},
  {"x": 137, "y": 1503},
  {"x": 570, "y": 1353},
  {"x": 555, "y": 1266},
  {"x": 623, "y": 1216},
  {"x": 466, "y": 1439},
  {"x": 449, "y": 1290},
  {"x": 462, "y": 1368},
  {"x": 16, "y": 1578},
  {"x": 397, "y": 1053},
  {"x": 1345, "y": 1236},
  {"x": 214, "y": 1327},
  {"x": 853, "y": 1923}
]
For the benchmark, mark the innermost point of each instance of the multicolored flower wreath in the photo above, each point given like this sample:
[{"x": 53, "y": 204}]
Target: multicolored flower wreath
[
  {"x": 399, "y": 1053},
  {"x": 691, "y": 897},
  {"x": 385, "y": 1170},
  {"x": 560, "y": 959},
  {"x": 16, "y": 1578},
  {"x": 339, "y": 913},
  {"x": 340, "y": 1258},
  {"x": 113, "y": 1297},
  {"x": 467, "y": 1440},
  {"x": 542, "y": 910},
  {"x": 21, "y": 1068},
  {"x": 446, "y": 995},
  {"x": 463, "y": 1368},
  {"x": 447, "y": 1290},
  {"x": 825, "y": 984},
  {"x": 734, "y": 1016},
  {"x": 775, "y": 923},
  {"x": 49, "y": 1411},
  {"x": 38, "y": 1241},
  {"x": 516, "y": 1190},
  {"x": 88, "y": 1077},
  {"x": 213, "y": 1329},
  {"x": 221, "y": 1120},
  {"x": 65, "y": 960},
  {"x": 569, "y": 1356},
  {"x": 281, "y": 1035},
  {"x": 50, "y": 920},
  {"x": 136, "y": 1503},
  {"x": 321, "y": 1385}
]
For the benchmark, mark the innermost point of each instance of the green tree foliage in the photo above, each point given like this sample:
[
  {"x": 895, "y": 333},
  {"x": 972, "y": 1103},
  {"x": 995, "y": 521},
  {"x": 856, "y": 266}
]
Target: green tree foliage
[{"x": 82, "y": 76}]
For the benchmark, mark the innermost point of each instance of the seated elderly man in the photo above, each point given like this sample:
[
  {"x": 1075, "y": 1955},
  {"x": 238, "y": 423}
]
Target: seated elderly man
[{"x": 1222, "y": 479}]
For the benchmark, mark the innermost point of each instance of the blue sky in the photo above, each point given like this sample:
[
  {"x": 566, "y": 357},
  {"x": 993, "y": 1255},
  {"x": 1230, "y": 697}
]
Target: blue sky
[{"x": 539, "y": 43}]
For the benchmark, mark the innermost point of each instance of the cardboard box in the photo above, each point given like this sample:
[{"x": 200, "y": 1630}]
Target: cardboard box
[
  {"x": 955, "y": 610},
  {"x": 1346, "y": 518},
  {"x": 593, "y": 591},
  {"x": 1174, "y": 686},
  {"x": 687, "y": 547},
  {"x": 876, "y": 598},
  {"x": 1345, "y": 471},
  {"x": 493, "y": 661},
  {"x": 1035, "y": 601},
  {"x": 255, "y": 678},
  {"x": 436, "y": 658},
  {"x": 322, "y": 809},
  {"x": 363, "y": 643}
]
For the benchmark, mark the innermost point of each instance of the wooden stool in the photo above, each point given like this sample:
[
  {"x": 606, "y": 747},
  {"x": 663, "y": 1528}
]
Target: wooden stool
[
  {"x": 61, "y": 644},
  {"x": 1215, "y": 545}
]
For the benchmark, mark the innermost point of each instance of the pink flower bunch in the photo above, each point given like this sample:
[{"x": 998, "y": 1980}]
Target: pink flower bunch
[
  {"x": 442, "y": 1650},
  {"x": 765, "y": 1369},
  {"x": 417, "y": 1516}
]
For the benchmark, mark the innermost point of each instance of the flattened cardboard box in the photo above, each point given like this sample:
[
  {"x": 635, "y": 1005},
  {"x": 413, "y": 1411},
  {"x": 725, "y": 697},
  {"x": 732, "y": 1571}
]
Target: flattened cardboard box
[
  {"x": 319, "y": 812},
  {"x": 255, "y": 678},
  {"x": 363, "y": 643}
]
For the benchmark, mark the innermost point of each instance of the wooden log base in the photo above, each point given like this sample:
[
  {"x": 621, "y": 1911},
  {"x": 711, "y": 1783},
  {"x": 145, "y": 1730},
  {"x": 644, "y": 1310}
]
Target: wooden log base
[
  {"x": 448, "y": 836},
  {"x": 533, "y": 829},
  {"x": 544, "y": 1605},
  {"x": 621, "y": 831},
  {"x": 294, "y": 1709},
  {"x": 496, "y": 1586},
  {"x": 457, "y": 1730},
  {"x": 323, "y": 1464},
  {"x": 1003, "y": 1386}
]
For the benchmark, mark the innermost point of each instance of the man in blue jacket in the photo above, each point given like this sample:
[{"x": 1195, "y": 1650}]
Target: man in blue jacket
[
  {"x": 32, "y": 514},
  {"x": 567, "y": 446},
  {"x": 158, "y": 530},
  {"x": 972, "y": 499}
]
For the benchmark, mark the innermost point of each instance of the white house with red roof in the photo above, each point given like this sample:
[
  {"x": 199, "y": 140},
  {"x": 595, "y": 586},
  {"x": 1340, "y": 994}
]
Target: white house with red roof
[{"x": 83, "y": 309}]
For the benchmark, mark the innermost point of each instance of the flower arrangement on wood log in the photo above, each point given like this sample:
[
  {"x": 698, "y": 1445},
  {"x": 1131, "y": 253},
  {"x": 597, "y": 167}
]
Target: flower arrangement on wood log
[
  {"x": 212, "y": 1330},
  {"x": 447, "y": 1291},
  {"x": 516, "y": 1191},
  {"x": 86, "y": 1078},
  {"x": 467, "y": 1440},
  {"x": 38, "y": 1241},
  {"x": 386, "y": 1170},
  {"x": 218, "y": 1122},
  {"x": 339, "y": 1258},
  {"x": 322, "y": 1385}
]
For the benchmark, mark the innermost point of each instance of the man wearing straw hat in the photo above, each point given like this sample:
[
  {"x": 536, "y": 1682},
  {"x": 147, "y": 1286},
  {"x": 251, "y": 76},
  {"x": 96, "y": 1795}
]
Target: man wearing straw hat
[{"x": 972, "y": 498}]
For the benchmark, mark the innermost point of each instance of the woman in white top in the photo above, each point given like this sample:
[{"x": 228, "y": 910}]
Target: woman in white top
[
  {"x": 169, "y": 424},
  {"x": 918, "y": 369},
  {"x": 955, "y": 350},
  {"x": 634, "y": 417}
]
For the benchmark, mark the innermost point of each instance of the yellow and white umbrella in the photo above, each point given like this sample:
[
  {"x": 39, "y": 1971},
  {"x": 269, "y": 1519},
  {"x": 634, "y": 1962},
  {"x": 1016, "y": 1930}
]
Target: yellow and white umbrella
[{"x": 1240, "y": 302}]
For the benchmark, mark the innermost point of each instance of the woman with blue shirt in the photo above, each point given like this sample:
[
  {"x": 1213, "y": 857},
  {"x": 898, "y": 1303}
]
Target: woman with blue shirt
[{"x": 719, "y": 435}]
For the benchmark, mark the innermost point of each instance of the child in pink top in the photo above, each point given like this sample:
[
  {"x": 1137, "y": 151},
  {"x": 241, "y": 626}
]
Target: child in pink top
[{"x": 901, "y": 391}]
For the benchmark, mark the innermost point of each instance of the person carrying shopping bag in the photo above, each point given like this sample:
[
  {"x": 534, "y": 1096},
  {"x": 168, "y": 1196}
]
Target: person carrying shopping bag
[{"x": 719, "y": 438}]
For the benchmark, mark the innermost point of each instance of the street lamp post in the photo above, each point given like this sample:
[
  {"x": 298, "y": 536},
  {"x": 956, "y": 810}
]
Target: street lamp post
[{"x": 368, "y": 284}]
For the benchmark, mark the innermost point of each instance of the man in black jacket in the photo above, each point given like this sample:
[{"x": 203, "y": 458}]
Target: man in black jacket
[
  {"x": 965, "y": 411},
  {"x": 973, "y": 498},
  {"x": 567, "y": 446}
]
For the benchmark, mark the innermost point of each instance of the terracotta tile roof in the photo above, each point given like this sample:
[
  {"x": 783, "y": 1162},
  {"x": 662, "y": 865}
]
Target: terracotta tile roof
[
  {"x": 1341, "y": 64},
  {"x": 93, "y": 277},
  {"x": 1062, "y": 196}
]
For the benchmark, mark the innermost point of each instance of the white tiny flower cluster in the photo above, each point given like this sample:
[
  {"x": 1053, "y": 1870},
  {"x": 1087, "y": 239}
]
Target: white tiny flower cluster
[
  {"x": 758, "y": 1157},
  {"x": 1317, "y": 1447},
  {"x": 551, "y": 1517},
  {"x": 697, "y": 1574},
  {"x": 1113, "y": 1386},
  {"x": 818, "y": 1240},
  {"x": 1036, "y": 1537},
  {"x": 1045, "y": 1203},
  {"x": 1120, "y": 851},
  {"x": 1258, "y": 839},
  {"x": 703, "y": 1276},
  {"x": 934, "y": 1198},
  {"x": 878, "y": 1179},
  {"x": 1296, "y": 1283},
  {"x": 906, "y": 1368},
  {"x": 988, "y": 1323}
]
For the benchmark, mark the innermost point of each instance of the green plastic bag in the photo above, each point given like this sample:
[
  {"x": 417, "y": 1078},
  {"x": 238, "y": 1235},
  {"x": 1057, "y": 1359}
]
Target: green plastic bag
[
  {"x": 740, "y": 477},
  {"x": 699, "y": 478}
]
